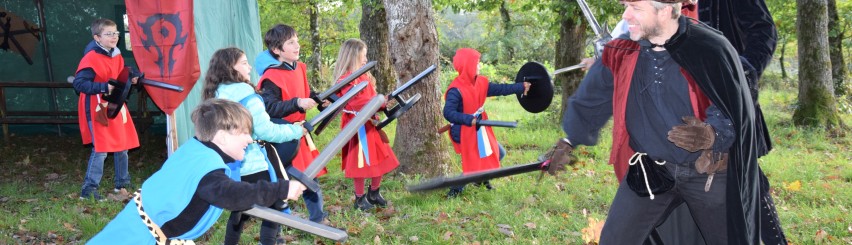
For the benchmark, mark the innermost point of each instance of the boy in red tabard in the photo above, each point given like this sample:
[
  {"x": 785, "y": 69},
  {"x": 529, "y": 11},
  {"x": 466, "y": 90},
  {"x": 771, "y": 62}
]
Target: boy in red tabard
[
  {"x": 287, "y": 95},
  {"x": 463, "y": 108},
  {"x": 101, "y": 62}
]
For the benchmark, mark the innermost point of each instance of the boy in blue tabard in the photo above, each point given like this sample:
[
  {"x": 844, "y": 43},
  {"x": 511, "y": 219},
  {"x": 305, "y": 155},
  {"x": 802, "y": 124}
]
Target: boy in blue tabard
[{"x": 185, "y": 197}]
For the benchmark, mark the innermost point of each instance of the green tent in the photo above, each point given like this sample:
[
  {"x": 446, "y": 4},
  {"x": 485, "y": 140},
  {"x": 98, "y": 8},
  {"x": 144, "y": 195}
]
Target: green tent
[{"x": 218, "y": 24}]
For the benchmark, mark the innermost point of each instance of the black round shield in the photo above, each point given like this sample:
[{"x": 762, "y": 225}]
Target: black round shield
[
  {"x": 116, "y": 98},
  {"x": 540, "y": 95}
]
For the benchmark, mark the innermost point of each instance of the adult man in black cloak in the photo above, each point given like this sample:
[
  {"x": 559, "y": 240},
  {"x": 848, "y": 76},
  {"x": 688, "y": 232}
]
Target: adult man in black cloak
[
  {"x": 708, "y": 82},
  {"x": 749, "y": 26}
]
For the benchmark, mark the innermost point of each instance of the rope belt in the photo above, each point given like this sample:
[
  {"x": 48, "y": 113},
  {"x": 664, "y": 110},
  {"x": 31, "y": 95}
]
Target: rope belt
[
  {"x": 637, "y": 158},
  {"x": 153, "y": 227}
]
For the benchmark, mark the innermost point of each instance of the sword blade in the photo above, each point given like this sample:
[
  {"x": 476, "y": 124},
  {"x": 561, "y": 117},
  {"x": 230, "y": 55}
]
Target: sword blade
[
  {"x": 298, "y": 223},
  {"x": 337, "y": 86},
  {"x": 412, "y": 81},
  {"x": 567, "y": 69},
  {"x": 159, "y": 84},
  {"x": 343, "y": 137},
  {"x": 502, "y": 124},
  {"x": 599, "y": 32},
  {"x": 331, "y": 109},
  {"x": 444, "y": 182}
]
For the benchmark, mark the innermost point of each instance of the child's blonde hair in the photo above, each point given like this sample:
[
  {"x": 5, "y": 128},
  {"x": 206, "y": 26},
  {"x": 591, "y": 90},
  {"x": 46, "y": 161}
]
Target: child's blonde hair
[
  {"x": 219, "y": 114},
  {"x": 347, "y": 58}
]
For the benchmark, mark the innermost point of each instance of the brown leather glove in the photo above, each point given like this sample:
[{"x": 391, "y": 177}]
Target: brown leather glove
[
  {"x": 711, "y": 162},
  {"x": 693, "y": 136},
  {"x": 560, "y": 155},
  {"x": 101, "y": 115}
]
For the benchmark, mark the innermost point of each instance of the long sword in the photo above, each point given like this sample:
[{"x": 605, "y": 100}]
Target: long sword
[
  {"x": 320, "y": 162},
  {"x": 601, "y": 33}
]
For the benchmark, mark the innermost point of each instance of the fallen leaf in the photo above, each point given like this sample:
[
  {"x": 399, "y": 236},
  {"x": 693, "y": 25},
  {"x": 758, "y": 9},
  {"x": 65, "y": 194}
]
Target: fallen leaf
[
  {"x": 505, "y": 229},
  {"x": 794, "y": 186},
  {"x": 448, "y": 235},
  {"x": 4, "y": 199},
  {"x": 413, "y": 238},
  {"x": 31, "y": 200},
  {"x": 592, "y": 233},
  {"x": 377, "y": 240},
  {"x": 69, "y": 226},
  {"x": 820, "y": 235},
  {"x": 530, "y": 225},
  {"x": 585, "y": 212}
]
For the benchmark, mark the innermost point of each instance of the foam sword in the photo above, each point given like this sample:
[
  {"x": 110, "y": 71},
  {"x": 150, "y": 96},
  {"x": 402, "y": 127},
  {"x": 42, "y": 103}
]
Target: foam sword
[{"x": 313, "y": 169}]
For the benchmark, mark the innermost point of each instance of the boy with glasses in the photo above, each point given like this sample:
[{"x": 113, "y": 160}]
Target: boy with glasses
[{"x": 101, "y": 62}]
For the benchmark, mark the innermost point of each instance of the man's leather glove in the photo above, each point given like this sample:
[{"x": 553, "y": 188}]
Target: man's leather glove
[
  {"x": 560, "y": 155},
  {"x": 711, "y": 162},
  {"x": 693, "y": 136}
]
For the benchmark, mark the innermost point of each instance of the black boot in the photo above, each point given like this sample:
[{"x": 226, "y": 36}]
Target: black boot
[
  {"x": 375, "y": 198},
  {"x": 455, "y": 191},
  {"x": 362, "y": 203}
]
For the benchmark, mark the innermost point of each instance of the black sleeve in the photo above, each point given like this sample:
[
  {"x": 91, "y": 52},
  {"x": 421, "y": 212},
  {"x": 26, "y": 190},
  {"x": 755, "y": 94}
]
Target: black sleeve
[
  {"x": 758, "y": 27},
  {"x": 275, "y": 107},
  {"x": 590, "y": 107},
  {"x": 84, "y": 82},
  {"x": 220, "y": 190}
]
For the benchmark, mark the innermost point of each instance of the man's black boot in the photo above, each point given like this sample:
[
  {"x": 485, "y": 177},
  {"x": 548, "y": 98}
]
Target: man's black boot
[
  {"x": 375, "y": 198},
  {"x": 362, "y": 203}
]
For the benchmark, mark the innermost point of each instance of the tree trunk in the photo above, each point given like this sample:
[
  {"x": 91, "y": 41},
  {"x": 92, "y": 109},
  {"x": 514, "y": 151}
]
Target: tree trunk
[
  {"x": 835, "y": 42},
  {"x": 816, "y": 91},
  {"x": 414, "y": 47},
  {"x": 569, "y": 51},
  {"x": 374, "y": 32},
  {"x": 315, "y": 64},
  {"x": 781, "y": 58},
  {"x": 508, "y": 30}
]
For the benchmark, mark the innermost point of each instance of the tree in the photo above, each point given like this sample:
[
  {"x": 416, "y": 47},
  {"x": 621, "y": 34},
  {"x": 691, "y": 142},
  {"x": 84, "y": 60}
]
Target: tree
[
  {"x": 314, "y": 64},
  {"x": 835, "y": 41},
  {"x": 569, "y": 47},
  {"x": 374, "y": 32},
  {"x": 414, "y": 47},
  {"x": 816, "y": 91},
  {"x": 784, "y": 14}
]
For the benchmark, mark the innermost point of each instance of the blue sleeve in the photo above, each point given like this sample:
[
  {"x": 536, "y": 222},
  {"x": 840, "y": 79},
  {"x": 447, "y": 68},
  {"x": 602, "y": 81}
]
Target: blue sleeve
[
  {"x": 264, "y": 129},
  {"x": 453, "y": 109},
  {"x": 499, "y": 89},
  {"x": 590, "y": 107},
  {"x": 724, "y": 129},
  {"x": 84, "y": 82}
]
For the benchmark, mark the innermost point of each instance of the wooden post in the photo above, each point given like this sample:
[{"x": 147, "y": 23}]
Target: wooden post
[{"x": 171, "y": 133}]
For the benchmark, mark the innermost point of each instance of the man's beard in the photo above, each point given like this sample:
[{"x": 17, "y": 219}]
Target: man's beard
[{"x": 647, "y": 32}]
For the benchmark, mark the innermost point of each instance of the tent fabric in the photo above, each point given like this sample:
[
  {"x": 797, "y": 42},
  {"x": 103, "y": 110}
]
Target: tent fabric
[{"x": 219, "y": 24}]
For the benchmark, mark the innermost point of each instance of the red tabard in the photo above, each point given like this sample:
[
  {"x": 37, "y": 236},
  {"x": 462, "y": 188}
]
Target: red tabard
[
  {"x": 381, "y": 156},
  {"x": 120, "y": 134},
  {"x": 473, "y": 97},
  {"x": 294, "y": 84}
]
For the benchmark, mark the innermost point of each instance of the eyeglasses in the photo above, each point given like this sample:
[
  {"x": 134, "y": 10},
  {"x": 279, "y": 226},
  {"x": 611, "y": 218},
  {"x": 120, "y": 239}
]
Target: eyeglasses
[{"x": 111, "y": 34}]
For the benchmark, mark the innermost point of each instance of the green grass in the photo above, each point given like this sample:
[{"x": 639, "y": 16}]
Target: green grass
[{"x": 40, "y": 186}]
